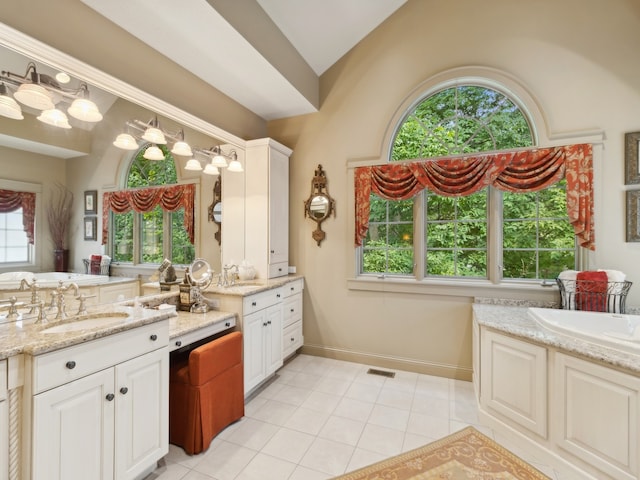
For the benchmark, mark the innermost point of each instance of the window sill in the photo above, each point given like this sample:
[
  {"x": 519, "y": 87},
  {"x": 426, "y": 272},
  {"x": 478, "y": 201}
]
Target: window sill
[{"x": 456, "y": 288}]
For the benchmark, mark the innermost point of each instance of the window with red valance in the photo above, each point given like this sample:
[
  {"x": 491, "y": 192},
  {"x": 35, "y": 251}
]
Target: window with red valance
[
  {"x": 513, "y": 171},
  {"x": 10, "y": 201},
  {"x": 170, "y": 197}
]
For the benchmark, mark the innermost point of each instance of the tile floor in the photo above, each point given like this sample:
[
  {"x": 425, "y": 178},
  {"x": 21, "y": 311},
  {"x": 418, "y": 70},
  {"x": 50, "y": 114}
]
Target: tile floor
[{"x": 321, "y": 418}]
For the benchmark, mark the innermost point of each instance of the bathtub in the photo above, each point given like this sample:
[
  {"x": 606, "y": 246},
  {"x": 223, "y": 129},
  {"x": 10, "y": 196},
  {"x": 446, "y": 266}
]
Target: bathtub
[
  {"x": 11, "y": 280},
  {"x": 614, "y": 330}
]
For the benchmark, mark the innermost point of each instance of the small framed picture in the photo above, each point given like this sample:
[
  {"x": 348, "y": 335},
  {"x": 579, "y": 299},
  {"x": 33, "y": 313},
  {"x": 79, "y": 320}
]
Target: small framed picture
[
  {"x": 631, "y": 160},
  {"x": 90, "y": 226},
  {"x": 633, "y": 210},
  {"x": 90, "y": 202}
]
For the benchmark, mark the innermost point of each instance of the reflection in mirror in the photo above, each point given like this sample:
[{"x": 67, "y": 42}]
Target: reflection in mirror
[
  {"x": 215, "y": 209},
  {"x": 47, "y": 154},
  {"x": 199, "y": 276},
  {"x": 319, "y": 205}
]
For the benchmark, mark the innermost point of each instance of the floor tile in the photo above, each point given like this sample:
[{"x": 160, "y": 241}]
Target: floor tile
[
  {"x": 389, "y": 417},
  {"x": 327, "y": 456},
  {"x": 289, "y": 445},
  {"x": 225, "y": 461},
  {"x": 307, "y": 420},
  {"x": 342, "y": 430},
  {"x": 265, "y": 467},
  {"x": 384, "y": 440}
]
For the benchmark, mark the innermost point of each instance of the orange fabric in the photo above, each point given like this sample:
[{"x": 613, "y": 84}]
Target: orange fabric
[
  {"x": 591, "y": 291},
  {"x": 527, "y": 170},
  {"x": 206, "y": 393}
]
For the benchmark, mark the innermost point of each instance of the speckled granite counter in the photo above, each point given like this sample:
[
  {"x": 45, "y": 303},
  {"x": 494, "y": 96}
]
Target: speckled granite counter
[
  {"x": 514, "y": 320},
  {"x": 187, "y": 322},
  {"x": 25, "y": 336}
]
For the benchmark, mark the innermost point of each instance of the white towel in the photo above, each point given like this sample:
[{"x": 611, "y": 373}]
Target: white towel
[
  {"x": 569, "y": 298},
  {"x": 568, "y": 275},
  {"x": 614, "y": 275}
]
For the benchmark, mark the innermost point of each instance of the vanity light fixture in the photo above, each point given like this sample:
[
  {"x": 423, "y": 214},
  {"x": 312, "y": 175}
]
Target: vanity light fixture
[
  {"x": 217, "y": 160},
  {"x": 235, "y": 165},
  {"x": 126, "y": 141},
  {"x": 43, "y": 92},
  {"x": 153, "y": 153},
  {"x": 151, "y": 132},
  {"x": 8, "y": 106}
]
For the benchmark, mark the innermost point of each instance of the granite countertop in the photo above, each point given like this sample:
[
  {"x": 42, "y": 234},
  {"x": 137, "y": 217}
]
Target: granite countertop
[
  {"x": 25, "y": 336},
  {"x": 186, "y": 322},
  {"x": 515, "y": 321}
]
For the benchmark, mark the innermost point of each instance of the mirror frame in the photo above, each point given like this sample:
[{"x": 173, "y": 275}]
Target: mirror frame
[
  {"x": 217, "y": 201},
  {"x": 319, "y": 189}
]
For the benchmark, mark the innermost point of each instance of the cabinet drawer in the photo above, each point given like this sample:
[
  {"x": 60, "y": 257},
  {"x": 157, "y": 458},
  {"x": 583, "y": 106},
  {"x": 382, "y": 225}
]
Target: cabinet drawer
[
  {"x": 293, "y": 288},
  {"x": 261, "y": 300},
  {"x": 68, "y": 364},
  {"x": 192, "y": 337},
  {"x": 278, "y": 269},
  {"x": 291, "y": 310},
  {"x": 291, "y": 339},
  {"x": 3, "y": 379}
]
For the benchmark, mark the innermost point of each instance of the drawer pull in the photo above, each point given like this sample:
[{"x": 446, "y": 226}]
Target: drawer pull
[
  {"x": 227, "y": 324},
  {"x": 269, "y": 322},
  {"x": 253, "y": 304},
  {"x": 124, "y": 390},
  {"x": 293, "y": 310},
  {"x": 153, "y": 337},
  {"x": 178, "y": 343},
  {"x": 278, "y": 295},
  {"x": 293, "y": 339},
  {"x": 264, "y": 324},
  {"x": 292, "y": 289},
  {"x": 70, "y": 365},
  {"x": 110, "y": 397}
]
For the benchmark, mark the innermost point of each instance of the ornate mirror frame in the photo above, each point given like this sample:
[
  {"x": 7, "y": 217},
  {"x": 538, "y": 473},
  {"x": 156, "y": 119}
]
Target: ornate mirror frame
[
  {"x": 319, "y": 205},
  {"x": 215, "y": 209}
]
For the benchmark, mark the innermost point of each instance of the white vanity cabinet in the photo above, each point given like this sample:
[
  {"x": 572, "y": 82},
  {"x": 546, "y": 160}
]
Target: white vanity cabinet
[
  {"x": 4, "y": 423},
  {"x": 292, "y": 338},
  {"x": 100, "y": 409},
  {"x": 267, "y": 207},
  {"x": 262, "y": 333},
  {"x": 514, "y": 380}
]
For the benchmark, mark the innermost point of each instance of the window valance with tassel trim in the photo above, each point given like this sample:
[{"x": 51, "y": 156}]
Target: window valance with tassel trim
[
  {"x": 171, "y": 198},
  {"x": 512, "y": 171},
  {"x": 11, "y": 201}
]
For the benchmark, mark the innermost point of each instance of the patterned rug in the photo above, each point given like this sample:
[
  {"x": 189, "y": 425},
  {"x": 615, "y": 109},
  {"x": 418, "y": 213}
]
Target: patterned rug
[{"x": 464, "y": 455}]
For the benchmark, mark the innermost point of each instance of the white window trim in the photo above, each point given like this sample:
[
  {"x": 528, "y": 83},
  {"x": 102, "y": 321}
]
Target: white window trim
[{"x": 416, "y": 284}]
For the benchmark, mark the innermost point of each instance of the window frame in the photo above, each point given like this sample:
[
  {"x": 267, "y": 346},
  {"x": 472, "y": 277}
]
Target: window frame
[{"x": 460, "y": 286}]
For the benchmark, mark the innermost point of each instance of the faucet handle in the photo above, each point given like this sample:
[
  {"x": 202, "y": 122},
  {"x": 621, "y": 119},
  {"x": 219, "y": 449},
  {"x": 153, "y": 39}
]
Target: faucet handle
[
  {"x": 42, "y": 316},
  {"x": 82, "y": 309}
]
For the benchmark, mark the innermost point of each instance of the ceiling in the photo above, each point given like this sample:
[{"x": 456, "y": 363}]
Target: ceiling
[{"x": 208, "y": 43}]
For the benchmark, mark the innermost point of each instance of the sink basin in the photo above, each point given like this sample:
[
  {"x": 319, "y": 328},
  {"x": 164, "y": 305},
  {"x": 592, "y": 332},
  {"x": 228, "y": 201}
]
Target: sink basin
[{"x": 100, "y": 320}]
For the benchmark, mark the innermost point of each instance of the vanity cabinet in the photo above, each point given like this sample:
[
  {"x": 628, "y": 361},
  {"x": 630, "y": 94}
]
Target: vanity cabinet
[
  {"x": 4, "y": 423},
  {"x": 267, "y": 207},
  {"x": 100, "y": 409},
  {"x": 292, "y": 338},
  {"x": 262, "y": 333}
]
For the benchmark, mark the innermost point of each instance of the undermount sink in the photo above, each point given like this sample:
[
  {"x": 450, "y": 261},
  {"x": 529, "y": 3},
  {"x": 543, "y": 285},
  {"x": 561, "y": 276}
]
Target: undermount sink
[{"x": 98, "y": 320}]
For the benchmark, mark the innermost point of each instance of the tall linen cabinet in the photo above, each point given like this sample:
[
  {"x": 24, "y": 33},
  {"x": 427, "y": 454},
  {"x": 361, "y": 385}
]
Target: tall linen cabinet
[{"x": 267, "y": 207}]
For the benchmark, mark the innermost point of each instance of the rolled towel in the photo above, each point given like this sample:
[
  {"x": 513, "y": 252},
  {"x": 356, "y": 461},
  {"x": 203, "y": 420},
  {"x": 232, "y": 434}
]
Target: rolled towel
[
  {"x": 614, "y": 275},
  {"x": 591, "y": 291},
  {"x": 568, "y": 275}
]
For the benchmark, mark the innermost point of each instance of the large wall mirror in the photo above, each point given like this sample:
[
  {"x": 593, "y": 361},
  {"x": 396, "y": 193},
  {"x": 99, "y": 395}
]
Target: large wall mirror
[{"x": 83, "y": 157}]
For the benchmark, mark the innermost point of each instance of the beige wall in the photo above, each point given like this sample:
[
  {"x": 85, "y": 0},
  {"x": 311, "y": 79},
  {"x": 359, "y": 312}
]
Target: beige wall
[{"x": 578, "y": 61}]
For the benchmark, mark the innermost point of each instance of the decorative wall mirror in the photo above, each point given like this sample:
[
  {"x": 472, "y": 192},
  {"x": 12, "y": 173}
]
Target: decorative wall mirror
[
  {"x": 215, "y": 209},
  {"x": 319, "y": 205}
]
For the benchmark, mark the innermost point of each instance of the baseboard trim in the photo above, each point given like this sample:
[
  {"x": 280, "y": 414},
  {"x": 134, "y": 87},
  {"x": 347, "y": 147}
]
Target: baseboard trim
[{"x": 456, "y": 372}]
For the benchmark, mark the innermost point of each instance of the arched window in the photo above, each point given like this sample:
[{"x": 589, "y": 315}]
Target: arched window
[
  {"x": 486, "y": 235},
  {"x": 152, "y": 236}
]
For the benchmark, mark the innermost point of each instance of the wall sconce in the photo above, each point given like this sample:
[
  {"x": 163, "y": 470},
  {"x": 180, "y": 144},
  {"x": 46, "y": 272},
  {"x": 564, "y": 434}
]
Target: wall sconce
[
  {"x": 152, "y": 133},
  {"x": 216, "y": 159},
  {"x": 43, "y": 92}
]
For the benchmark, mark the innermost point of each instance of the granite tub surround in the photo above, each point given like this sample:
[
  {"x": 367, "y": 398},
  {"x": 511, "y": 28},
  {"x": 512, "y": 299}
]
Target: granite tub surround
[
  {"x": 26, "y": 336},
  {"x": 515, "y": 321}
]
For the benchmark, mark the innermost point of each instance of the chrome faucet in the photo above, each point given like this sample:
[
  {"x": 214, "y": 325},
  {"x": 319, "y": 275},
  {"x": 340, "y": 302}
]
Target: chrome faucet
[
  {"x": 227, "y": 279},
  {"x": 60, "y": 291}
]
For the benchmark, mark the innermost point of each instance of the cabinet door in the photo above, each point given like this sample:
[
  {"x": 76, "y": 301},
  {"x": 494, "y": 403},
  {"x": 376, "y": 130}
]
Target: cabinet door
[
  {"x": 73, "y": 430},
  {"x": 273, "y": 339},
  {"x": 142, "y": 413},
  {"x": 278, "y": 208},
  {"x": 253, "y": 326}
]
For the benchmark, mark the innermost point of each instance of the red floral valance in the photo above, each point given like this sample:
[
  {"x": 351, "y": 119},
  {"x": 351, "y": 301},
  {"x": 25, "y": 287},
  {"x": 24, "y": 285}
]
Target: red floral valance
[
  {"x": 171, "y": 198},
  {"x": 512, "y": 171},
  {"x": 11, "y": 201}
]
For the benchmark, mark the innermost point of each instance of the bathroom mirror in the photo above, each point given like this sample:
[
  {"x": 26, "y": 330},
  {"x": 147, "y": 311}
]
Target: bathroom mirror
[
  {"x": 319, "y": 205},
  {"x": 199, "y": 276},
  {"x": 118, "y": 102}
]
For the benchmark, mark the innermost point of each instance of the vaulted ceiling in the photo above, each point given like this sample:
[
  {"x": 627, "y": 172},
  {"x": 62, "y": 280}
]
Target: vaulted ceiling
[{"x": 265, "y": 54}]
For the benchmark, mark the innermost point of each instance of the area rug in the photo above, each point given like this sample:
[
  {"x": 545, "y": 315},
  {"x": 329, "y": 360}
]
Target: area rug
[{"x": 464, "y": 455}]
